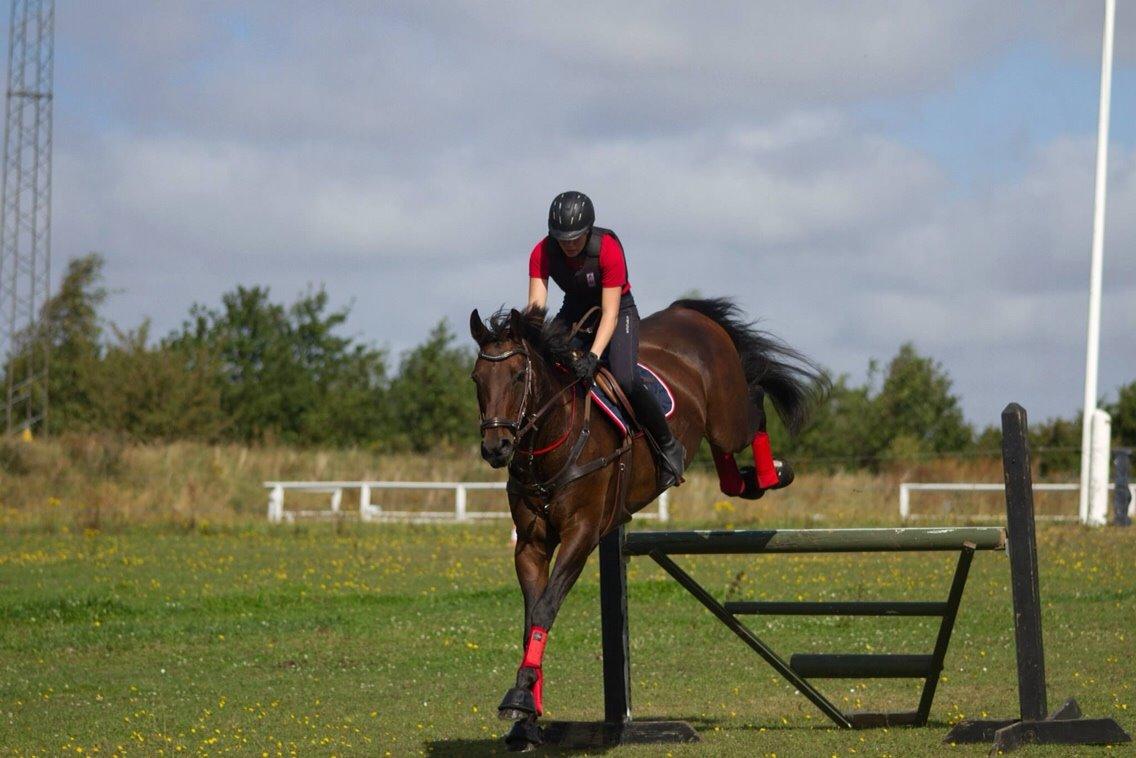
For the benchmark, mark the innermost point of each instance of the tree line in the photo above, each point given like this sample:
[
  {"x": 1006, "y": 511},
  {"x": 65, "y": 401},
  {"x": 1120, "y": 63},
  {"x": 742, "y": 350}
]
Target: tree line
[{"x": 255, "y": 371}]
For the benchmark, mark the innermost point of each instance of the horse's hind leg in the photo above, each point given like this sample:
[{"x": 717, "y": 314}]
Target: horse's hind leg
[
  {"x": 732, "y": 419},
  {"x": 732, "y": 432},
  {"x": 730, "y": 479}
]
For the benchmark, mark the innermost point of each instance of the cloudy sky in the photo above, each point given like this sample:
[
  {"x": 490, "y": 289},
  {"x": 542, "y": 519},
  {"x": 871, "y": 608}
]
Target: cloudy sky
[{"x": 856, "y": 175}]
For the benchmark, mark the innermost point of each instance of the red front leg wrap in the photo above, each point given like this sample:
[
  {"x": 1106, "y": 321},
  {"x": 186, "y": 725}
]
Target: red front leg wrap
[
  {"x": 763, "y": 461},
  {"x": 534, "y": 658},
  {"x": 728, "y": 477}
]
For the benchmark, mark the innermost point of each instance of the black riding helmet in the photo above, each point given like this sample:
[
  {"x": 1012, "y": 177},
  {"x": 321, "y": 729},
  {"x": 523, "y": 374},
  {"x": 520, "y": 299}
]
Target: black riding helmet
[{"x": 570, "y": 215}]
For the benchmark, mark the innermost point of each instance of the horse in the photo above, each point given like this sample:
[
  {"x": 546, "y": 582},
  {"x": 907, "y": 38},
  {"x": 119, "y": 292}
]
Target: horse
[{"x": 571, "y": 481}]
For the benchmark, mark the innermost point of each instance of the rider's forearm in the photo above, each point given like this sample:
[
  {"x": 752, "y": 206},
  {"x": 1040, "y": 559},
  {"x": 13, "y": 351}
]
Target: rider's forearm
[
  {"x": 604, "y": 332},
  {"x": 538, "y": 293}
]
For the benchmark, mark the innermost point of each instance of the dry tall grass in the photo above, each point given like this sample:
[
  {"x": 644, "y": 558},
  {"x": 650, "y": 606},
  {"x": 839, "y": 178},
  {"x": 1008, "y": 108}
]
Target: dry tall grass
[{"x": 100, "y": 482}]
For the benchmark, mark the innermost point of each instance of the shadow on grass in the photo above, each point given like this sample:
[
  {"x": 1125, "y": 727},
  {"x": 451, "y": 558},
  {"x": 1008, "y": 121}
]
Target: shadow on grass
[
  {"x": 463, "y": 747},
  {"x": 480, "y": 747},
  {"x": 702, "y": 725}
]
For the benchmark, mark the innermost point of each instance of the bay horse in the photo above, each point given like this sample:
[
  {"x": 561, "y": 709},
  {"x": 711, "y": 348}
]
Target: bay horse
[{"x": 572, "y": 481}]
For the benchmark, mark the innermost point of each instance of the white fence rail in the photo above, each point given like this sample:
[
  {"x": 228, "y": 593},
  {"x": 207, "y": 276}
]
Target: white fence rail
[
  {"x": 378, "y": 512},
  {"x": 906, "y": 488}
]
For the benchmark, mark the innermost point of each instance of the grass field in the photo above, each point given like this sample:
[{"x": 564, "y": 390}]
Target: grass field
[{"x": 351, "y": 639}]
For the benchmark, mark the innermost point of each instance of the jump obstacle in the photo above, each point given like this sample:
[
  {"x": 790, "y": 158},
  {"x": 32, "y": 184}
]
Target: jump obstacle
[{"x": 1065, "y": 726}]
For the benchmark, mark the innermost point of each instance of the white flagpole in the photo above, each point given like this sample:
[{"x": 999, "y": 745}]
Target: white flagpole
[{"x": 1093, "y": 352}]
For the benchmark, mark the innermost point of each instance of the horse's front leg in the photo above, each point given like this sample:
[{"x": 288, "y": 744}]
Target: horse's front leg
[
  {"x": 525, "y": 698},
  {"x": 531, "y": 559}
]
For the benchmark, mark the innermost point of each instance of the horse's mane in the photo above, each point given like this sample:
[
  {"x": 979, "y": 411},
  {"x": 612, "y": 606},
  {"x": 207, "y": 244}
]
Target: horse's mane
[{"x": 548, "y": 336}]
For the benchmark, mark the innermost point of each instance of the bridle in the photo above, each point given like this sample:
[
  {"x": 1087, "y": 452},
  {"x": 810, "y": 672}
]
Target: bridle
[
  {"x": 520, "y": 427},
  {"x": 497, "y": 422}
]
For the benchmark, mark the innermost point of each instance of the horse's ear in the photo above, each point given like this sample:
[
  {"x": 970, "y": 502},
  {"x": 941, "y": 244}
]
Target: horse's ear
[
  {"x": 477, "y": 327},
  {"x": 517, "y": 324}
]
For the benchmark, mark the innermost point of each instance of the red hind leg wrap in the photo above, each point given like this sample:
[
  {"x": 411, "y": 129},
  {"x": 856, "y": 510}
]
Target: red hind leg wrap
[
  {"x": 534, "y": 658},
  {"x": 728, "y": 477},
  {"x": 763, "y": 461}
]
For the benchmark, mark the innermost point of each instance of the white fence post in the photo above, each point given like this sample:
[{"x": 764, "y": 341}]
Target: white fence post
[
  {"x": 459, "y": 502},
  {"x": 1098, "y": 468},
  {"x": 364, "y": 502},
  {"x": 904, "y": 501},
  {"x": 336, "y": 500},
  {"x": 664, "y": 506},
  {"x": 276, "y": 504}
]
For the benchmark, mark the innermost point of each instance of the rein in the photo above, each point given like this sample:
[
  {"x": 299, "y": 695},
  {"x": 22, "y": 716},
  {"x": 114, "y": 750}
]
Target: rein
[
  {"x": 520, "y": 427},
  {"x": 563, "y": 438},
  {"x": 523, "y": 481}
]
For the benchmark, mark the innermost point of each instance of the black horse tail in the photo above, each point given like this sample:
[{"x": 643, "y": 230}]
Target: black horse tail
[{"x": 792, "y": 381}]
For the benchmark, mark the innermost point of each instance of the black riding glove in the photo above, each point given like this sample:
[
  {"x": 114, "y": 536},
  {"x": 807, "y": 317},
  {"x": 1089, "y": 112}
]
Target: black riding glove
[{"x": 585, "y": 366}]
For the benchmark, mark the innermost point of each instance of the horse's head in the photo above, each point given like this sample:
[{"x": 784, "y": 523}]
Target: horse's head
[{"x": 505, "y": 383}]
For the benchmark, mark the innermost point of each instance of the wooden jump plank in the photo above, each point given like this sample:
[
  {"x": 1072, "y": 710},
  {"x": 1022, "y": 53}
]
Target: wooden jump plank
[
  {"x": 815, "y": 540},
  {"x": 857, "y": 666}
]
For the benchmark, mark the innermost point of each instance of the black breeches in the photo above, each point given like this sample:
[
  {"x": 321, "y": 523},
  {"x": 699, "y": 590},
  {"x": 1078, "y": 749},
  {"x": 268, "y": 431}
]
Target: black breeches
[
  {"x": 622, "y": 353},
  {"x": 622, "y": 357}
]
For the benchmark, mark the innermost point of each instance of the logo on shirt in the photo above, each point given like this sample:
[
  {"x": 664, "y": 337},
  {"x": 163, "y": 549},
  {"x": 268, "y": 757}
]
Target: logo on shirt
[{"x": 591, "y": 279}]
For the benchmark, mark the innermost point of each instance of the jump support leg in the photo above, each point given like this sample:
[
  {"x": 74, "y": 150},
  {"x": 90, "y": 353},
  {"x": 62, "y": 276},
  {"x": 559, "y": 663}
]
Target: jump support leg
[{"x": 1065, "y": 726}]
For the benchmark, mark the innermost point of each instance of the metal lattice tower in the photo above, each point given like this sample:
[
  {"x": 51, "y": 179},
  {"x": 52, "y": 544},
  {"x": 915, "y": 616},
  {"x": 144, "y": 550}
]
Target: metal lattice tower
[{"x": 25, "y": 214}]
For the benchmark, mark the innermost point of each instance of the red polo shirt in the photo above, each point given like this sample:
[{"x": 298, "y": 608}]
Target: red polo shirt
[{"x": 613, "y": 268}]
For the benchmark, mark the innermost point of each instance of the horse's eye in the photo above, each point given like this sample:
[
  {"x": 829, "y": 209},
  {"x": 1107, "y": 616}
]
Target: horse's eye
[{"x": 520, "y": 377}]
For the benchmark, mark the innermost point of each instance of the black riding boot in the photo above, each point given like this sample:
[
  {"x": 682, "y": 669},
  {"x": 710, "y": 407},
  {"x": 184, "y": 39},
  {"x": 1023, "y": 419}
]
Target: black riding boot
[{"x": 652, "y": 420}]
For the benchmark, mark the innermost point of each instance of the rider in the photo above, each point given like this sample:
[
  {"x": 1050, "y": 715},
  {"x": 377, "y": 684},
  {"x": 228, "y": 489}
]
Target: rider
[{"x": 587, "y": 262}]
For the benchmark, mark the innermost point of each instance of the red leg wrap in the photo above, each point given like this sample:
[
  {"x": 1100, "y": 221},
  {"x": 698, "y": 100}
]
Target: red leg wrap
[
  {"x": 763, "y": 461},
  {"x": 728, "y": 477},
  {"x": 537, "y": 691},
  {"x": 534, "y": 650},
  {"x": 534, "y": 658}
]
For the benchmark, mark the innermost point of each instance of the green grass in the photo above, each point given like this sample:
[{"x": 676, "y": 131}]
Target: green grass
[{"x": 376, "y": 640}]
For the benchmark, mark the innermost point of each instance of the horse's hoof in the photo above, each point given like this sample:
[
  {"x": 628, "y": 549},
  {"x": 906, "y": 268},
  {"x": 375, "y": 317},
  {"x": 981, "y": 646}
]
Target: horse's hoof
[
  {"x": 517, "y": 704},
  {"x": 753, "y": 490},
  {"x": 524, "y": 736},
  {"x": 785, "y": 474},
  {"x": 512, "y": 714},
  {"x": 749, "y": 477}
]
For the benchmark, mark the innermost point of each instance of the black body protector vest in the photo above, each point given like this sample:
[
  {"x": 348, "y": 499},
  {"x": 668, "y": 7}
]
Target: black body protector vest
[{"x": 582, "y": 288}]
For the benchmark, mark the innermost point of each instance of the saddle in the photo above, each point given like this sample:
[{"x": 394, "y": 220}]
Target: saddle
[{"x": 607, "y": 395}]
